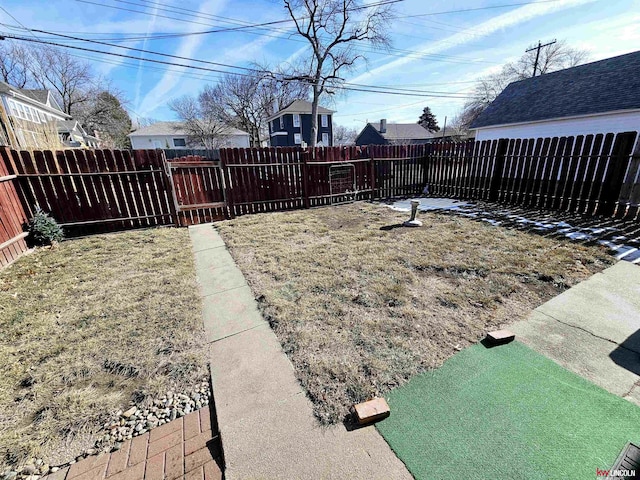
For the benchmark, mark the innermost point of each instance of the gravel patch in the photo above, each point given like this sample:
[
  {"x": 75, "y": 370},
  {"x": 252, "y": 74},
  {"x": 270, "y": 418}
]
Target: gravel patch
[{"x": 124, "y": 425}]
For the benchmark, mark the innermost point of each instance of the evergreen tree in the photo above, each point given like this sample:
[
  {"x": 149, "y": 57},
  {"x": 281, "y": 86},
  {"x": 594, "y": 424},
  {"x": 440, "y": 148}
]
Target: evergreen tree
[{"x": 428, "y": 120}]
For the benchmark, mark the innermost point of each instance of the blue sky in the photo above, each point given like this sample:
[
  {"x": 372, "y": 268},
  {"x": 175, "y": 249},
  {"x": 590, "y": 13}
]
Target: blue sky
[{"x": 432, "y": 51}]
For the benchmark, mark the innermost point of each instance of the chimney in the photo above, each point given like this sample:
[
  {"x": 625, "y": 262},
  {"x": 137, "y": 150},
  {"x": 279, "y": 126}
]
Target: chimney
[{"x": 383, "y": 125}]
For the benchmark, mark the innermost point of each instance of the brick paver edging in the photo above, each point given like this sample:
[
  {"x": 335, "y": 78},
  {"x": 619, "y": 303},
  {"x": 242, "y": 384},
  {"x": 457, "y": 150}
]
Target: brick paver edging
[{"x": 181, "y": 448}]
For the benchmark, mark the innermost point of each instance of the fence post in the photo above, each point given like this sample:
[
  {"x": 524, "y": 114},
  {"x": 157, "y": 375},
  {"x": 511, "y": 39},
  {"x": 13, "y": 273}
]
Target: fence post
[
  {"x": 305, "y": 178},
  {"x": 612, "y": 195},
  {"x": 227, "y": 189},
  {"x": 160, "y": 160},
  {"x": 498, "y": 167},
  {"x": 372, "y": 175}
]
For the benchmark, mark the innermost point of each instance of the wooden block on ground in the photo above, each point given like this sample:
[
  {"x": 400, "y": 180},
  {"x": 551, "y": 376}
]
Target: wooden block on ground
[
  {"x": 499, "y": 337},
  {"x": 371, "y": 410}
]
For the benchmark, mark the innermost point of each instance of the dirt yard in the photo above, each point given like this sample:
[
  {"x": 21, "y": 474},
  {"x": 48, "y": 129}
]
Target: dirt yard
[
  {"x": 360, "y": 305},
  {"x": 88, "y": 326}
]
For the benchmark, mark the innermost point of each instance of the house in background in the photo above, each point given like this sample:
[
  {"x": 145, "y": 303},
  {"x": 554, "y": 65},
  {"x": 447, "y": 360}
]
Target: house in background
[
  {"x": 29, "y": 118},
  {"x": 291, "y": 126},
  {"x": 383, "y": 133},
  {"x": 73, "y": 135},
  {"x": 598, "y": 97},
  {"x": 32, "y": 119},
  {"x": 171, "y": 135}
]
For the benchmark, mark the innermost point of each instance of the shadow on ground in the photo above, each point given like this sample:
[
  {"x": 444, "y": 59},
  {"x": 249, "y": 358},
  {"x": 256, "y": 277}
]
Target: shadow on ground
[
  {"x": 627, "y": 354},
  {"x": 622, "y": 237}
]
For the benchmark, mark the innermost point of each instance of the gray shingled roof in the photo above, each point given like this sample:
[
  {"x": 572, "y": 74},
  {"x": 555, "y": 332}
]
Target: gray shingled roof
[
  {"x": 171, "y": 128},
  {"x": 604, "y": 86},
  {"x": 41, "y": 96},
  {"x": 403, "y": 131}
]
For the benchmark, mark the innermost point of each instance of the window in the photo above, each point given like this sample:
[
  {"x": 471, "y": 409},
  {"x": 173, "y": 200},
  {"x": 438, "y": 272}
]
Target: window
[
  {"x": 282, "y": 122},
  {"x": 296, "y": 120},
  {"x": 12, "y": 108},
  {"x": 179, "y": 142},
  {"x": 325, "y": 139},
  {"x": 21, "y": 113},
  {"x": 297, "y": 138},
  {"x": 325, "y": 120}
]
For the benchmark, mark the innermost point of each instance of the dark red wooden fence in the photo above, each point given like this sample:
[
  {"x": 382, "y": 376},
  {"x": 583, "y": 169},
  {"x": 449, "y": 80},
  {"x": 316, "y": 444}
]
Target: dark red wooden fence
[
  {"x": 12, "y": 217},
  {"x": 103, "y": 190},
  {"x": 198, "y": 190},
  {"x": 587, "y": 174},
  {"x": 92, "y": 191}
]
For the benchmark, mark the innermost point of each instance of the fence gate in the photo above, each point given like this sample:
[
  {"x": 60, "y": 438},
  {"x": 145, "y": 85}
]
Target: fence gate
[
  {"x": 198, "y": 190},
  {"x": 342, "y": 183}
]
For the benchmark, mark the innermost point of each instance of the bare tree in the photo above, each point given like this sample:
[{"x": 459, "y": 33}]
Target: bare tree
[
  {"x": 14, "y": 64},
  {"x": 145, "y": 122},
  {"x": 70, "y": 79},
  {"x": 201, "y": 122},
  {"x": 236, "y": 101},
  {"x": 553, "y": 57},
  {"x": 556, "y": 56},
  {"x": 246, "y": 102},
  {"x": 344, "y": 135},
  {"x": 332, "y": 28}
]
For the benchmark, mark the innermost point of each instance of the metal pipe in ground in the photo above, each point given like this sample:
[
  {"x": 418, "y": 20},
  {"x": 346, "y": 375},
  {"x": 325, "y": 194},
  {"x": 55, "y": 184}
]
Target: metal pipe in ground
[{"x": 413, "y": 222}]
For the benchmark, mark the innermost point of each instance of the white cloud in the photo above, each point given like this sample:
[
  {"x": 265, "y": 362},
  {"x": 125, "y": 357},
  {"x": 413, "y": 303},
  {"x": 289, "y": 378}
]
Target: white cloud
[
  {"x": 500, "y": 22},
  {"x": 188, "y": 47}
]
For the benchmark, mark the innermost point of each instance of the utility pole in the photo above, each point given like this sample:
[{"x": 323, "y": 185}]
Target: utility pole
[{"x": 538, "y": 48}]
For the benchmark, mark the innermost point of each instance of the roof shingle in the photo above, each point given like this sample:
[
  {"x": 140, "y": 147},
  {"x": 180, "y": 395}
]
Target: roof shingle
[
  {"x": 598, "y": 87},
  {"x": 404, "y": 131}
]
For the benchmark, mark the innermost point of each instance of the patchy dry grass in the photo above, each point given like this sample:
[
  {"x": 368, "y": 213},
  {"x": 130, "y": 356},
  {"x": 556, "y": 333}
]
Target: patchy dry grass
[
  {"x": 359, "y": 310},
  {"x": 88, "y": 326}
]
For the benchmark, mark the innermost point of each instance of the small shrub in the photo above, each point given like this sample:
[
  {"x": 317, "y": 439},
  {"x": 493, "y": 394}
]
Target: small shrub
[{"x": 44, "y": 230}]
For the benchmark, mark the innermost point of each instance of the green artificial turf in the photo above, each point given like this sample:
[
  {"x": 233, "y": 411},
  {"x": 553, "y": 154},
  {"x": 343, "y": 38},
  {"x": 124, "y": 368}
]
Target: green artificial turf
[{"x": 506, "y": 413}]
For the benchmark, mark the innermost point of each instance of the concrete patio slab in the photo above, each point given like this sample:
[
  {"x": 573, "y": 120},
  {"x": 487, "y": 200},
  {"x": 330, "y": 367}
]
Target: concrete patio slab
[
  {"x": 265, "y": 420},
  {"x": 593, "y": 329}
]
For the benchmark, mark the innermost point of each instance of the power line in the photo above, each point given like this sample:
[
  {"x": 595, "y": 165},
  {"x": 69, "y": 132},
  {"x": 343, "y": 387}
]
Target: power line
[
  {"x": 252, "y": 70},
  {"x": 478, "y": 8},
  {"x": 195, "y": 67},
  {"x": 401, "y": 53}
]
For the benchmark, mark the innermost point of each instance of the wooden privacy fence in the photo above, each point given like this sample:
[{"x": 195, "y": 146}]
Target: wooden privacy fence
[
  {"x": 92, "y": 191},
  {"x": 586, "y": 174},
  {"x": 12, "y": 218},
  {"x": 258, "y": 180}
]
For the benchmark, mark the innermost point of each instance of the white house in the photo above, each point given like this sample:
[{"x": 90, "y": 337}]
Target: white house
[
  {"x": 73, "y": 135},
  {"x": 598, "y": 97},
  {"x": 171, "y": 135},
  {"x": 31, "y": 117}
]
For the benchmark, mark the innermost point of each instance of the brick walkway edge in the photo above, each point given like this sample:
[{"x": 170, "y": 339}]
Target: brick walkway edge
[{"x": 181, "y": 448}]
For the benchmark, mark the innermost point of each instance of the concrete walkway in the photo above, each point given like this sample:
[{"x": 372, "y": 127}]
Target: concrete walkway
[
  {"x": 593, "y": 329},
  {"x": 266, "y": 423}
]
